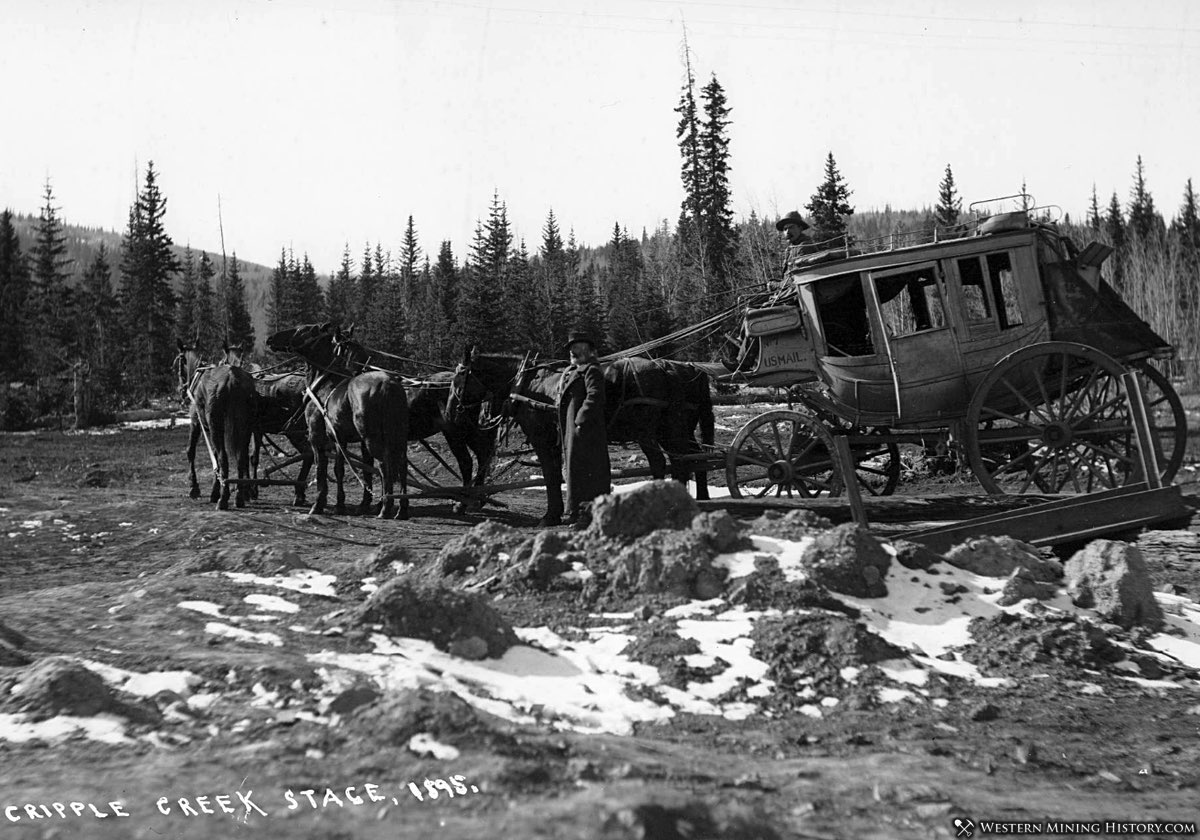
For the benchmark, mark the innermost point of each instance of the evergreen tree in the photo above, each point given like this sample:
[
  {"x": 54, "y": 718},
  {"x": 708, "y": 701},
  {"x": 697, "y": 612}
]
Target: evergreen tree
[
  {"x": 147, "y": 300},
  {"x": 1188, "y": 224},
  {"x": 430, "y": 330},
  {"x": 1094, "y": 220},
  {"x": 479, "y": 308},
  {"x": 279, "y": 314},
  {"x": 205, "y": 317},
  {"x": 239, "y": 328},
  {"x": 53, "y": 299},
  {"x": 556, "y": 281},
  {"x": 368, "y": 289},
  {"x": 720, "y": 238},
  {"x": 385, "y": 324},
  {"x": 527, "y": 303},
  {"x": 309, "y": 299},
  {"x": 949, "y": 206},
  {"x": 15, "y": 308},
  {"x": 830, "y": 206},
  {"x": 1143, "y": 220},
  {"x": 445, "y": 280},
  {"x": 1114, "y": 226},
  {"x": 185, "y": 308},
  {"x": 339, "y": 302},
  {"x": 410, "y": 257},
  {"x": 99, "y": 327},
  {"x": 622, "y": 280}
]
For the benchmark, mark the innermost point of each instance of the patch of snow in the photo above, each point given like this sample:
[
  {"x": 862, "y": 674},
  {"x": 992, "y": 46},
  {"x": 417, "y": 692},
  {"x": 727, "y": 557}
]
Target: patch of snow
[
  {"x": 304, "y": 581},
  {"x": 423, "y": 743},
  {"x": 205, "y": 607},
  {"x": 108, "y": 729},
  {"x": 694, "y": 608},
  {"x": 219, "y": 629},
  {"x": 272, "y": 602},
  {"x": 895, "y": 695},
  {"x": 145, "y": 684}
]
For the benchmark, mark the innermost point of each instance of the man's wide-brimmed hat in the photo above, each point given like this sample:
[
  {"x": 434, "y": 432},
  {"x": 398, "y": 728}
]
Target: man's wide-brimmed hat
[
  {"x": 793, "y": 218},
  {"x": 579, "y": 337}
]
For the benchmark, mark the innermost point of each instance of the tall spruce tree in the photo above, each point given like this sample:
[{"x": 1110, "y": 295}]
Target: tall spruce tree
[
  {"x": 368, "y": 286},
  {"x": 1114, "y": 226},
  {"x": 410, "y": 258},
  {"x": 279, "y": 310},
  {"x": 185, "y": 305},
  {"x": 15, "y": 308},
  {"x": 1187, "y": 225},
  {"x": 720, "y": 237},
  {"x": 555, "y": 279},
  {"x": 339, "y": 302},
  {"x": 949, "y": 205},
  {"x": 1143, "y": 219},
  {"x": 54, "y": 305},
  {"x": 239, "y": 328},
  {"x": 830, "y": 205},
  {"x": 479, "y": 308},
  {"x": 1094, "y": 221},
  {"x": 308, "y": 299},
  {"x": 99, "y": 327},
  {"x": 148, "y": 263},
  {"x": 205, "y": 318},
  {"x": 446, "y": 279}
]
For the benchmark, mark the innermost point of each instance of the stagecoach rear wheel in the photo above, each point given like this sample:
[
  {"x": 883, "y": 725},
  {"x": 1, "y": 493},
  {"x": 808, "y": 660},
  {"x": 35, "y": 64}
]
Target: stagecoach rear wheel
[
  {"x": 1054, "y": 418},
  {"x": 1167, "y": 417},
  {"x": 782, "y": 454}
]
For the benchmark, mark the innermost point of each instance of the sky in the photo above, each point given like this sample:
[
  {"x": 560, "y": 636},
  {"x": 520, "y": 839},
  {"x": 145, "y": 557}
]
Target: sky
[{"x": 315, "y": 126}]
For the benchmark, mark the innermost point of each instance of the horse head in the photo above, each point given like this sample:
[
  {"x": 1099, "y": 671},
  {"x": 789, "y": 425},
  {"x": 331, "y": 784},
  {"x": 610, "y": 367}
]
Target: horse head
[
  {"x": 185, "y": 364},
  {"x": 314, "y": 342},
  {"x": 348, "y": 353}
]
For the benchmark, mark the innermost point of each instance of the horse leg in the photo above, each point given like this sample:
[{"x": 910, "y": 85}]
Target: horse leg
[
  {"x": 339, "y": 477},
  {"x": 654, "y": 455},
  {"x": 387, "y": 479},
  {"x": 462, "y": 455},
  {"x": 400, "y": 471},
  {"x": 316, "y": 440},
  {"x": 253, "y": 489},
  {"x": 216, "y": 429},
  {"x": 368, "y": 480},
  {"x": 191, "y": 456},
  {"x": 302, "y": 447},
  {"x": 552, "y": 474}
]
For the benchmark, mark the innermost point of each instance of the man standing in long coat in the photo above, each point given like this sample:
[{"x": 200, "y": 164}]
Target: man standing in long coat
[{"x": 586, "y": 470}]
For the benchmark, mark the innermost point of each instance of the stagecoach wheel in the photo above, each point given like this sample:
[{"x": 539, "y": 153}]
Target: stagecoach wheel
[
  {"x": 782, "y": 454},
  {"x": 1167, "y": 418},
  {"x": 876, "y": 463},
  {"x": 1052, "y": 418}
]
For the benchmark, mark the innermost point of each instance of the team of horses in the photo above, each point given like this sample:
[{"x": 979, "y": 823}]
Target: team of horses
[{"x": 345, "y": 398}]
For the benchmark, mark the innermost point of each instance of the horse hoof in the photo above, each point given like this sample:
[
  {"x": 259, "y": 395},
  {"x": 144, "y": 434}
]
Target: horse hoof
[
  {"x": 549, "y": 521},
  {"x": 223, "y": 504},
  {"x": 195, "y": 493},
  {"x": 240, "y": 502},
  {"x": 299, "y": 501},
  {"x": 340, "y": 510},
  {"x": 316, "y": 510}
]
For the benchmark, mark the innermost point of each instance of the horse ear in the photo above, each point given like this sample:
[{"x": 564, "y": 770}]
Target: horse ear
[
  {"x": 474, "y": 353},
  {"x": 179, "y": 344},
  {"x": 466, "y": 359},
  {"x": 350, "y": 330}
]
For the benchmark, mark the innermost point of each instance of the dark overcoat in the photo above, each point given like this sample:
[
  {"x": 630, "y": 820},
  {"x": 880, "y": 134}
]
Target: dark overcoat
[{"x": 586, "y": 469}]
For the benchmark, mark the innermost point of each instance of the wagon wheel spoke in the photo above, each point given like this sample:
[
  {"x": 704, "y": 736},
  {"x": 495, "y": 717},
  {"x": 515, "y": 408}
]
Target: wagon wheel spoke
[
  {"x": 997, "y": 414},
  {"x": 1029, "y": 406}
]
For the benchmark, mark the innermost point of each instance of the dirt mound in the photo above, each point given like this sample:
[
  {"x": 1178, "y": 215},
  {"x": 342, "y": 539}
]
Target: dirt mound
[
  {"x": 1022, "y": 584},
  {"x": 480, "y": 546},
  {"x": 767, "y": 588},
  {"x": 915, "y": 556},
  {"x": 849, "y": 560},
  {"x": 11, "y": 644},
  {"x": 649, "y": 507},
  {"x": 789, "y": 526},
  {"x": 721, "y": 531},
  {"x": 660, "y": 645},
  {"x": 1009, "y": 644},
  {"x": 396, "y": 718},
  {"x": 1112, "y": 577},
  {"x": 813, "y": 648},
  {"x": 1000, "y": 556},
  {"x": 382, "y": 564},
  {"x": 461, "y": 623},
  {"x": 259, "y": 560},
  {"x": 677, "y": 562},
  {"x": 61, "y": 686}
]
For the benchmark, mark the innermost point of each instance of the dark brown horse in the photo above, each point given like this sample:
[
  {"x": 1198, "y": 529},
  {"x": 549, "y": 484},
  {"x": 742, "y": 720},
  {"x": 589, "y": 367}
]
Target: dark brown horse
[
  {"x": 343, "y": 408},
  {"x": 427, "y": 416},
  {"x": 220, "y": 401},
  {"x": 279, "y": 405},
  {"x": 655, "y": 404}
]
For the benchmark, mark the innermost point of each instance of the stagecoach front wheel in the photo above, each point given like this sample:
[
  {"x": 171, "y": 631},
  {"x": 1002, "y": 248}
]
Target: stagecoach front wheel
[
  {"x": 782, "y": 454},
  {"x": 1054, "y": 418},
  {"x": 876, "y": 461}
]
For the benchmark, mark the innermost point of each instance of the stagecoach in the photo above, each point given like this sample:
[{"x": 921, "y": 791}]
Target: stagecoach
[{"x": 998, "y": 340}]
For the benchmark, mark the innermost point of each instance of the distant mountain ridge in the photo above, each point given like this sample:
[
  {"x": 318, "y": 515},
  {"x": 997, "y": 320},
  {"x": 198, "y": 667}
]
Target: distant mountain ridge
[{"x": 83, "y": 243}]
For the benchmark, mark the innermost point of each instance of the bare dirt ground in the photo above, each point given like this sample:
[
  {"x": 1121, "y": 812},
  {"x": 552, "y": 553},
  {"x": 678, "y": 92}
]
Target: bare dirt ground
[{"x": 160, "y": 660}]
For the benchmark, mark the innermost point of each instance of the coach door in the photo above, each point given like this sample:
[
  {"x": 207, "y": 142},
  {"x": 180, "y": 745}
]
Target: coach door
[{"x": 922, "y": 347}]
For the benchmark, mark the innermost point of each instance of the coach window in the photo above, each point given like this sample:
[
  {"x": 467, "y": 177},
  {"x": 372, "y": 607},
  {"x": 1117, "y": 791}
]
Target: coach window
[
  {"x": 1004, "y": 289},
  {"x": 974, "y": 291},
  {"x": 910, "y": 302}
]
